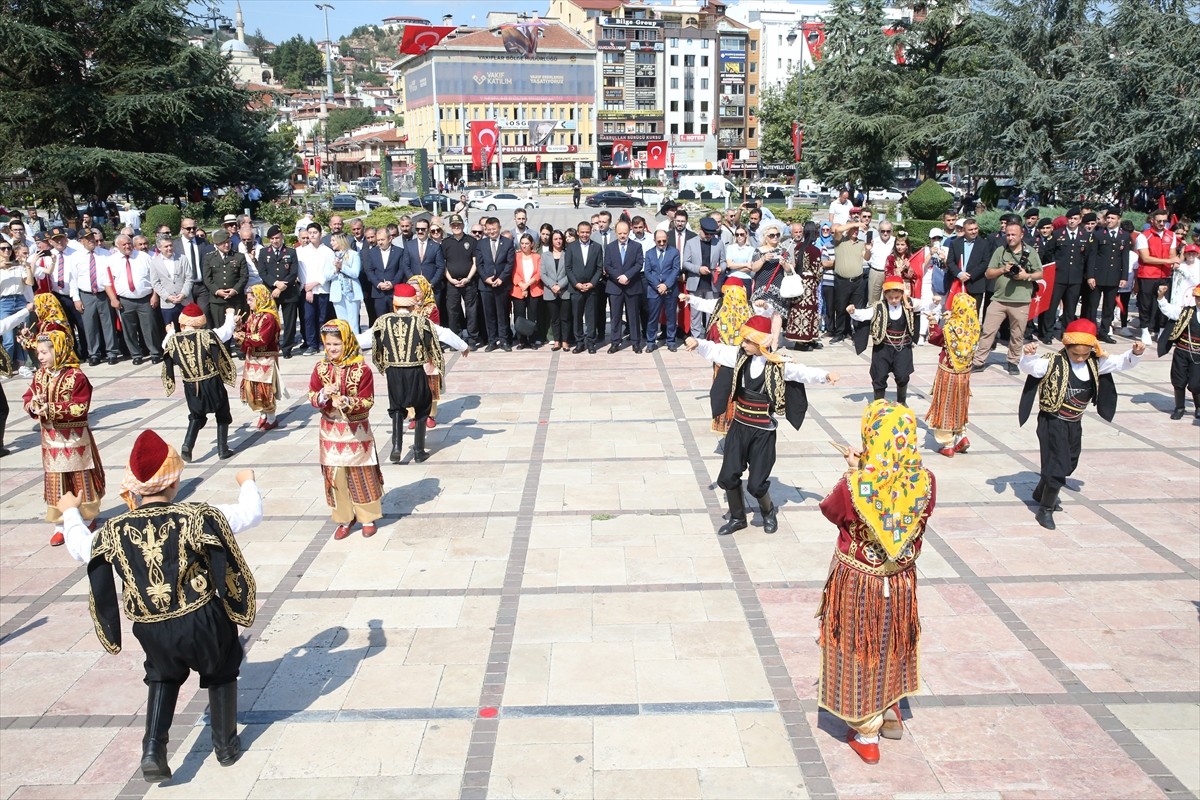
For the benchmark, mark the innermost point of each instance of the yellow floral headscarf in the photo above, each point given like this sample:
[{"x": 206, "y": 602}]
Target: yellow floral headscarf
[
  {"x": 64, "y": 349},
  {"x": 891, "y": 489},
  {"x": 48, "y": 309},
  {"x": 961, "y": 332},
  {"x": 426, "y": 302},
  {"x": 260, "y": 300},
  {"x": 732, "y": 315},
  {"x": 351, "y": 353}
]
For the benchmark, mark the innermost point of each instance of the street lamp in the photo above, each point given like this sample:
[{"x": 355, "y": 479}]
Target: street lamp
[{"x": 328, "y": 49}]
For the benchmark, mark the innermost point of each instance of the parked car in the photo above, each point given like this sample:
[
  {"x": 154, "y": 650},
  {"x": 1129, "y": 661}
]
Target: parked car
[
  {"x": 956, "y": 191},
  {"x": 503, "y": 200},
  {"x": 476, "y": 194},
  {"x": 611, "y": 197},
  {"x": 890, "y": 195},
  {"x": 523, "y": 184},
  {"x": 368, "y": 185},
  {"x": 648, "y": 197},
  {"x": 438, "y": 202},
  {"x": 349, "y": 202}
]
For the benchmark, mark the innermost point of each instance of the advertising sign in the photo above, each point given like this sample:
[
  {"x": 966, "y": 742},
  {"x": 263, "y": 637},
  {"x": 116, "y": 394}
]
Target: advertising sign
[
  {"x": 475, "y": 80},
  {"x": 733, "y": 66}
]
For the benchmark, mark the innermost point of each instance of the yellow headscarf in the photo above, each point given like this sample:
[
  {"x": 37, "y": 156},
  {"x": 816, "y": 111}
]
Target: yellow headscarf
[
  {"x": 732, "y": 315},
  {"x": 64, "y": 349},
  {"x": 260, "y": 300},
  {"x": 891, "y": 489},
  {"x": 351, "y": 354},
  {"x": 961, "y": 332},
  {"x": 48, "y": 309},
  {"x": 426, "y": 302}
]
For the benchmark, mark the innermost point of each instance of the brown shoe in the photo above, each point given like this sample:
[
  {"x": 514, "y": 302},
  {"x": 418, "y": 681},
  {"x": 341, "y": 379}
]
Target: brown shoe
[
  {"x": 368, "y": 530},
  {"x": 342, "y": 532}
]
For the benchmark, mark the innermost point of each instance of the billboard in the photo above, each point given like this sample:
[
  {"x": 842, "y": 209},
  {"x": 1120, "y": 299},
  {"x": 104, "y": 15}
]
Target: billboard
[
  {"x": 477, "y": 80},
  {"x": 733, "y": 66}
]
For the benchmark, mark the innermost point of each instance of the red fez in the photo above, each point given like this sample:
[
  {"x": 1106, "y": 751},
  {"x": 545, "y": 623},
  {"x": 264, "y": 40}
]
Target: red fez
[
  {"x": 738, "y": 282},
  {"x": 148, "y": 454},
  {"x": 893, "y": 282},
  {"x": 193, "y": 310},
  {"x": 404, "y": 290},
  {"x": 759, "y": 323},
  {"x": 1084, "y": 326}
]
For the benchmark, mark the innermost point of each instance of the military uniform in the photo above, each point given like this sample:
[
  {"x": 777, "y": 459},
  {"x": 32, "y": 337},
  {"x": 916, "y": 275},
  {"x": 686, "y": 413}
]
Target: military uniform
[
  {"x": 283, "y": 265},
  {"x": 226, "y": 271}
]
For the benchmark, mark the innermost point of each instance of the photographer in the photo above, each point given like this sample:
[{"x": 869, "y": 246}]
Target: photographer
[{"x": 1016, "y": 269}]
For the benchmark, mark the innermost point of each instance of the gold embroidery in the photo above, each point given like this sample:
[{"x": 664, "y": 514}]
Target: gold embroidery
[
  {"x": 1052, "y": 391},
  {"x": 879, "y": 332}
]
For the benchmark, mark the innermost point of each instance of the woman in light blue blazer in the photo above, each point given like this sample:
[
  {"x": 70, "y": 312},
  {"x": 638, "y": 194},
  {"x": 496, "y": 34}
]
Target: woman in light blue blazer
[{"x": 345, "y": 291}]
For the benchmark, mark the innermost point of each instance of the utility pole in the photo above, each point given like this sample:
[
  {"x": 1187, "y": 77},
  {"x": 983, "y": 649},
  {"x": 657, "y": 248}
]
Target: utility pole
[
  {"x": 328, "y": 50},
  {"x": 791, "y": 39}
]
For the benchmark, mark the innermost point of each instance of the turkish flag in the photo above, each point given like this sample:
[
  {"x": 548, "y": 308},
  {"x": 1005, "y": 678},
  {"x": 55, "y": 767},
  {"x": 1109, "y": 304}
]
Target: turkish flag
[
  {"x": 955, "y": 288},
  {"x": 797, "y": 141},
  {"x": 418, "y": 39},
  {"x": 484, "y": 136},
  {"x": 917, "y": 265},
  {"x": 1040, "y": 303},
  {"x": 656, "y": 155},
  {"x": 729, "y": 161},
  {"x": 814, "y": 37},
  {"x": 537, "y": 164}
]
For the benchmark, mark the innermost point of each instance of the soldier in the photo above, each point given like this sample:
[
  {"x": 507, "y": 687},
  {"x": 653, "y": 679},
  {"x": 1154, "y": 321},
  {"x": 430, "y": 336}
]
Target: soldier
[
  {"x": 280, "y": 270},
  {"x": 226, "y": 274},
  {"x": 1107, "y": 263}
]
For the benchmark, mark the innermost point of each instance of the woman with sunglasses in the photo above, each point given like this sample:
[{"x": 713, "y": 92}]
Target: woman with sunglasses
[
  {"x": 769, "y": 264},
  {"x": 15, "y": 293}
]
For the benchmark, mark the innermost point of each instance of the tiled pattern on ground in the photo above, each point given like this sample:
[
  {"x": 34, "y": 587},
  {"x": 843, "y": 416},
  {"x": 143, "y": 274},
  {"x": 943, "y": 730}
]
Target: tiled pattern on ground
[{"x": 556, "y": 559}]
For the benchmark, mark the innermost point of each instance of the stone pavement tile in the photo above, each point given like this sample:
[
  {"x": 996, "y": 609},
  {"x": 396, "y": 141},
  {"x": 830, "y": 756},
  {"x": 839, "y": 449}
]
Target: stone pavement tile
[
  {"x": 668, "y": 742},
  {"x": 537, "y": 758},
  {"x": 61, "y": 628},
  {"x": 79, "y": 791},
  {"x": 902, "y": 766},
  {"x": 376, "y": 748},
  {"x": 197, "y": 775},
  {"x": 427, "y": 787},
  {"x": 1173, "y": 525},
  {"x": 101, "y": 690},
  {"x": 302, "y": 788},
  {"x": 592, "y": 672},
  {"x": 668, "y": 784},
  {"x": 1171, "y": 733},
  {"x": 36, "y": 681},
  {"x": 25, "y": 754},
  {"x": 764, "y": 740},
  {"x": 734, "y": 783}
]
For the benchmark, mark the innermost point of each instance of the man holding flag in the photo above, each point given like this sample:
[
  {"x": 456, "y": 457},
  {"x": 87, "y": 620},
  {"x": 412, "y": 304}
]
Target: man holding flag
[{"x": 1016, "y": 269}]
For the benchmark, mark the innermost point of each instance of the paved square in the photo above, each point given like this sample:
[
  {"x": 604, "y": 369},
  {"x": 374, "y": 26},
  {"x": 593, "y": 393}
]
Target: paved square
[{"x": 556, "y": 560}]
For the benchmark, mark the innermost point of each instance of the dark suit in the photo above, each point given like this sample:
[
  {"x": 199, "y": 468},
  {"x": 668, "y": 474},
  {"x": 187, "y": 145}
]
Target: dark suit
[
  {"x": 627, "y": 296},
  {"x": 283, "y": 265},
  {"x": 978, "y": 286},
  {"x": 225, "y": 271},
  {"x": 432, "y": 266},
  {"x": 394, "y": 271},
  {"x": 1070, "y": 263},
  {"x": 661, "y": 269},
  {"x": 496, "y": 300},
  {"x": 581, "y": 269},
  {"x": 1107, "y": 263},
  {"x": 183, "y": 249}
]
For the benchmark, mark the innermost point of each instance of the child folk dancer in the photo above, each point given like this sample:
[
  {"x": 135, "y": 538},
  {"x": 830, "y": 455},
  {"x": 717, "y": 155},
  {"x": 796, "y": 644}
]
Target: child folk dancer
[
  {"x": 765, "y": 384},
  {"x": 406, "y": 349},
  {"x": 426, "y": 307},
  {"x": 868, "y": 611},
  {"x": 1064, "y": 383},
  {"x": 204, "y": 364},
  {"x": 727, "y": 314},
  {"x": 259, "y": 338},
  {"x": 60, "y": 397},
  {"x": 1185, "y": 336},
  {"x": 184, "y": 585},
  {"x": 9, "y": 323},
  {"x": 342, "y": 387},
  {"x": 958, "y": 337},
  {"x": 892, "y": 331}
]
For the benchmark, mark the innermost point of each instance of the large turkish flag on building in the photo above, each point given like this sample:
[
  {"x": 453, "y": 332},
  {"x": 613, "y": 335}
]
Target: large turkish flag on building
[
  {"x": 656, "y": 155},
  {"x": 418, "y": 39},
  {"x": 484, "y": 137}
]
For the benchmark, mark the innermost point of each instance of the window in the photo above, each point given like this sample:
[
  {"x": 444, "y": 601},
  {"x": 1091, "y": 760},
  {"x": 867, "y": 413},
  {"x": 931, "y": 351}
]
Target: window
[
  {"x": 645, "y": 83},
  {"x": 646, "y": 105},
  {"x": 688, "y": 106},
  {"x": 674, "y": 59},
  {"x": 750, "y": 132},
  {"x": 704, "y": 127},
  {"x": 703, "y": 84},
  {"x": 674, "y": 105},
  {"x": 674, "y": 129},
  {"x": 754, "y": 45},
  {"x": 754, "y": 66},
  {"x": 611, "y": 57},
  {"x": 689, "y": 61},
  {"x": 753, "y": 88},
  {"x": 687, "y": 127},
  {"x": 674, "y": 83},
  {"x": 704, "y": 61},
  {"x": 704, "y": 44},
  {"x": 674, "y": 41},
  {"x": 704, "y": 106},
  {"x": 733, "y": 43},
  {"x": 644, "y": 58}
]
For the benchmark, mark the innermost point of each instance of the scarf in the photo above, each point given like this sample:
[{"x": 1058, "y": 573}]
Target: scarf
[
  {"x": 732, "y": 315},
  {"x": 351, "y": 354},
  {"x": 261, "y": 301},
  {"x": 426, "y": 303},
  {"x": 167, "y": 474},
  {"x": 961, "y": 332},
  {"x": 48, "y": 309},
  {"x": 64, "y": 348}
]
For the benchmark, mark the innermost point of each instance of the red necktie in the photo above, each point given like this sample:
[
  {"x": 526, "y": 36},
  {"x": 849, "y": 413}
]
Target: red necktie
[
  {"x": 129, "y": 274},
  {"x": 92, "y": 272},
  {"x": 62, "y": 278}
]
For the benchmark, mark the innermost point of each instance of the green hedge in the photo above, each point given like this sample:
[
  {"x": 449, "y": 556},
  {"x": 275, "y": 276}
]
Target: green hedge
[
  {"x": 918, "y": 230},
  {"x": 157, "y": 216},
  {"x": 928, "y": 201}
]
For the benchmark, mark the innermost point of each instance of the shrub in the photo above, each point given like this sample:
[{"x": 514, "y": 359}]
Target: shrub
[
  {"x": 279, "y": 213},
  {"x": 788, "y": 216},
  {"x": 918, "y": 230},
  {"x": 928, "y": 201},
  {"x": 228, "y": 203},
  {"x": 989, "y": 195},
  {"x": 157, "y": 216}
]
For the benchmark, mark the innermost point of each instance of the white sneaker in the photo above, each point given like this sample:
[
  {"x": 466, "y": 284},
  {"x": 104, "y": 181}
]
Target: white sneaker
[
  {"x": 25, "y": 372},
  {"x": 1145, "y": 336}
]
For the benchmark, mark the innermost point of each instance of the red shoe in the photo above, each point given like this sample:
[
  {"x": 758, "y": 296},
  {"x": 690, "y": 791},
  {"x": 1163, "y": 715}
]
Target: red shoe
[
  {"x": 269, "y": 426},
  {"x": 342, "y": 532},
  {"x": 964, "y": 444},
  {"x": 368, "y": 530},
  {"x": 948, "y": 452},
  {"x": 57, "y": 539},
  {"x": 412, "y": 424},
  {"x": 867, "y": 752},
  {"x": 261, "y": 422},
  {"x": 430, "y": 423}
]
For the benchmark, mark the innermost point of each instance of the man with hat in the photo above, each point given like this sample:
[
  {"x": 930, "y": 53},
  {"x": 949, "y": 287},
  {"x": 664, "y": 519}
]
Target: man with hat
[
  {"x": 226, "y": 274},
  {"x": 462, "y": 292},
  {"x": 279, "y": 267},
  {"x": 765, "y": 385},
  {"x": 405, "y": 348},
  {"x": 1064, "y": 383},
  {"x": 1070, "y": 262},
  {"x": 1107, "y": 263},
  {"x": 229, "y": 224},
  {"x": 185, "y": 586},
  {"x": 204, "y": 364},
  {"x": 1030, "y": 230},
  {"x": 89, "y": 273},
  {"x": 704, "y": 263},
  {"x": 61, "y": 283}
]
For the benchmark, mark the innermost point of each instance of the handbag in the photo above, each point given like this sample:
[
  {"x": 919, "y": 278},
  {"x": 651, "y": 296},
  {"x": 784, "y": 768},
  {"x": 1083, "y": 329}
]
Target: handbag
[{"x": 791, "y": 286}]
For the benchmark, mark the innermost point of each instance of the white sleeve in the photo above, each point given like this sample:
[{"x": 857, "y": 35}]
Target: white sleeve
[
  {"x": 225, "y": 332},
  {"x": 1034, "y": 365},
  {"x": 1141, "y": 243},
  {"x": 803, "y": 374},
  {"x": 925, "y": 305},
  {"x": 723, "y": 354},
  {"x": 366, "y": 339},
  {"x": 705, "y": 305},
  {"x": 79, "y": 538},
  {"x": 13, "y": 321},
  {"x": 863, "y": 314},
  {"x": 1114, "y": 363},
  {"x": 247, "y": 512},
  {"x": 447, "y": 336},
  {"x": 1169, "y": 309}
]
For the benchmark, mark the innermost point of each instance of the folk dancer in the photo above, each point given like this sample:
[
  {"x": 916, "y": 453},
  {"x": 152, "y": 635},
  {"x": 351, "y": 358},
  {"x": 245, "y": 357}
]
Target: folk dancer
[
  {"x": 765, "y": 384},
  {"x": 1064, "y": 383},
  {"x": 868, "y": 611},
  {"x": 259, "y": 339},
  {"x": 426, "y": 306},
  {"x": 1185, "y": 336},
  {"x": 342, "y": 387},
  {"x": 727, "y": 315},
  {"x": 204, "y": 364},
  {"x": 958, "y": 336},
  {"x": 803, "y": 322},
  {"x": 9, "y": 323},
  {"x": 185, "y": 586},
  {"x": 892, "y": 331}
]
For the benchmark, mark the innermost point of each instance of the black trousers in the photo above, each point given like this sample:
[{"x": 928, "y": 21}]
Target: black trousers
[
  {"x": 1104, "y": 299},
  {"x": 289, "y": 312},
  {"x": 408, "y": 387},
  {"x": 561, "y": 323},
  {"x": 1148, "y": 314},
  {"x": 1185, "y": 371},
  {"x": 1068, "y": 295},
  {"x": 207, "y": 397},
  {"x": 583, "y": 312},
  {"x": 600, "y": 300},
  {"x": 495, "y": 304},
  {"x": 205, "y": 640},
  {"x": 527, "y": 308},
  {"x": 747, "y": 448},
  {"x": 846, "y": 291},
  {"x": 462, "y": 309},
  {"x": 887, "y": 360},
  {"x": 630, "y": 305},
  {"x": 1060, "y": 443}
]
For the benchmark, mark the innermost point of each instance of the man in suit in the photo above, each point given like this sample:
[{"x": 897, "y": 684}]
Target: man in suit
[
  {"x": 1070, "y": 262},
  {"x": 425, "y": 258},
  {"x": 661, "y": 266},
  {"x": 584, "y": 263},
  {"x": 1107, "y": 263},
  {"x": 969, "y": 256},
  {"x": 680, "y": 235},
  {"x": 623, "y": 262},
  {"x": 495, "y": 256},
  {"x": 703, "y": 261},
  {"x": 386, "y": 264},
  {"x": 279, "y": 267},
  {"x": 193, "y": 250}
]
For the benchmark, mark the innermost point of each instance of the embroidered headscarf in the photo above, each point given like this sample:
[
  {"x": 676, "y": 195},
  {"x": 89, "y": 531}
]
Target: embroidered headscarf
[
  {"x": 891, "y": 489},
  {"x": 64, "y": 348},
  {"x": 961, "y": 332},
  {"x": 732, "y": 315},
  {"x": 426, "y": 302},
  {"x": 153, "y": 466},
  {"x": 48, "y": 309},
  {"x": 1083, "y": 331},
  {"x": 261, "y": 301},
  {"x": 351, "y": 354}
]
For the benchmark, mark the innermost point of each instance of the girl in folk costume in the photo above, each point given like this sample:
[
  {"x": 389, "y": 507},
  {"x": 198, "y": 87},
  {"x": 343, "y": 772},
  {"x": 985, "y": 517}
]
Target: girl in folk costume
[
  {"x": 9, "y": 323},
  {"x": 868, "y": 611},
  {"x": 803, "y": 322},
  {"x": 427, "y": 307},
  {"x": 727, "y": 314},
  {"x": 59, "y": 398},
  {"x": 1185, "y": 336},
  {"x": 259, "y": 338},
  {"x": 1064, "y": 383},
  {"x": 204, "y": 365},
  {"x": 958, "y": 337},
  {"x": 892, "y": 331},
  {"x": 342, "y": 387}
]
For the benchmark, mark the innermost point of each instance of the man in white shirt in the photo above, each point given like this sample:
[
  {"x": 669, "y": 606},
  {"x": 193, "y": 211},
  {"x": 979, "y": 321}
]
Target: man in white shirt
[
  {"x": 16, "y": 234},
  {"x": 59, "y": 279},
  {"x": 839, "y": 210},
  {"x": 315, "y": 258},
  {"x": 884, "y": 244},
  {"x": 249, "y": 246},
  {"x": 131, "y": 292},
  {"x": 639, "y": 234},
  {"x": 89, "y": 291}
]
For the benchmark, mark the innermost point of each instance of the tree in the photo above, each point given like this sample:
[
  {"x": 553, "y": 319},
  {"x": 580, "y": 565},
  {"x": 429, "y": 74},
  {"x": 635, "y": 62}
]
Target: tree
[
  {"x": 298, "y": 62},
  {"x": 133, "y": 106},
  {"x": 346, "y": 119},
  {"x": 777, "y": 107},
  {"x": 258, "y": 45}
]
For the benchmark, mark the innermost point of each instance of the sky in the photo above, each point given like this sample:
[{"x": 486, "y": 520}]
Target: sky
[{"x": 283, "y": 19}]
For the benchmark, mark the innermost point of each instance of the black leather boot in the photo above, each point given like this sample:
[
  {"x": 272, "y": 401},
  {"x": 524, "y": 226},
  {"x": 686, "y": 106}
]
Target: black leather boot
[
  {"x": 1178, "y": 412},
  {"x": 420, "y": 454},
  {"x": 3, "y": 422},
  {"x": 1037, "y": 495},
  {"x": 397, "y": 439},
  {"x": 222, "y": 721},
  {"x": 879, "y": 393},
  {"x": 189, "y": 438},
  {"x": 737, "y": 512},
  {"x": 901, "y": 394},
  {"x": 160, "y": 710},
  {"x": 223, "y": 450},
  {"x": 1045, "y": 514},
  {"x": 770, "y": 523}
]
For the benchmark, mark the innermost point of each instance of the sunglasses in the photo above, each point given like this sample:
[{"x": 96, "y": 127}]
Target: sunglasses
[
  {"x": 435, "y": 230},
  {"x": 740, "y": 233},
  {"x": 189, "y": 227},
  {"x": 422, "y": 230},
  {"x": 772, "y": 235},
  {"x": 476, "y": 233}
]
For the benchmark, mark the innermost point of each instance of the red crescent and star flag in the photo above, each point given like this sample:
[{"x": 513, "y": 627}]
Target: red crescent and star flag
[
  {"x": 656, "y": 155},
  {"x": 483, "y": 142},
  {"x": 418, "y": 39}
]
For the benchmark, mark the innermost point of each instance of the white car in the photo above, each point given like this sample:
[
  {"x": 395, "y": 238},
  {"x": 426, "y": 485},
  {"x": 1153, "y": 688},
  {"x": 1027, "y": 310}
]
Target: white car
[
  {"x": 523, "y": 184},
  {"x": 952, "y": 189},
  {"x": 475, "y": 194},
  {"x": 504, "y": 200},
  {"x": 649, "y": 197},
  {"x": 892, "y": 195}
]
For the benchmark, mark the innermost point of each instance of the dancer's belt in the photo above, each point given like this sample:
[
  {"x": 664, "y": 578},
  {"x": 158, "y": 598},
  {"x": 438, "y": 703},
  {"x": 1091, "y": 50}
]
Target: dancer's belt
[{"x": 756, "y": 414}]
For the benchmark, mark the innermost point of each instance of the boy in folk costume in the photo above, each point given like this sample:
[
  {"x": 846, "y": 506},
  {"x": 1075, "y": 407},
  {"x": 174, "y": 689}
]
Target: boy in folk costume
[
  {"x": 259, "y": 338},
  {"x": 426, "y": 306},
  {"x": 958, "y": 337},
  {"x": 765, "y": 384},
  {"x": 892, "y": 331},
  {"x": 342, "y": 387},
  {"x": 1064, "y": 383},
  {"x": 1185, "y": 336},
  {"x": 727, "y": 314},
  {"x": 868, "y": 611},
  {"x": 406, "y": 349},
  {"x": 59, "y": 397},
  {"x": 184, "y": 585},
  {"x": 204, "y": 364}
]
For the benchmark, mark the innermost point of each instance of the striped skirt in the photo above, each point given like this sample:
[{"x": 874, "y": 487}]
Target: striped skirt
[
  {"x": 950, "y": 401},
  {"x": 365, "y": 484}
]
